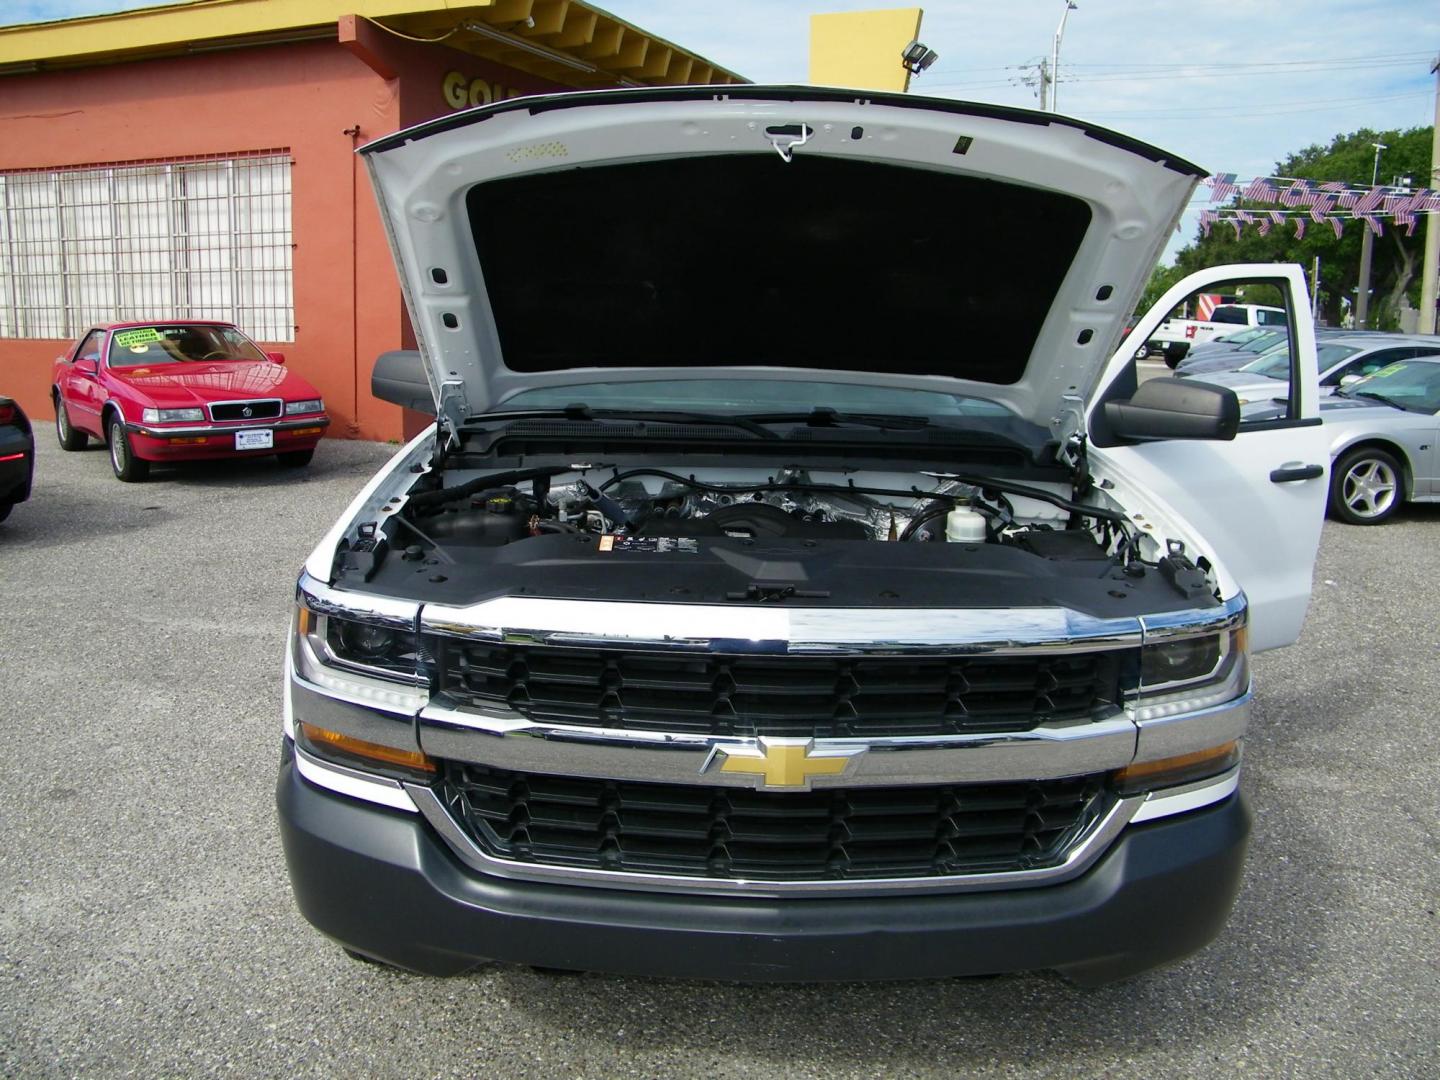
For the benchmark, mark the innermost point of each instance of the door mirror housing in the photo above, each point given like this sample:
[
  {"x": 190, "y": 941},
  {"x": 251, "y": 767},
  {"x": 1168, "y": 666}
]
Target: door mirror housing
[
  {"x": 86, "y": 366},
  {"x": 1351, "y": 380},
  {"x": 399, "y": 377},
  {"x": 1168, "y": 408},
  {"x": 276, "y": 357}
]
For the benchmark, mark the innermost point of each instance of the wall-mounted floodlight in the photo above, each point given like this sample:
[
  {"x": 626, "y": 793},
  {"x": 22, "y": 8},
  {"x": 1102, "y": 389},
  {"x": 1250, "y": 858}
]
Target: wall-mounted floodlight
[{"x": 917, "y": 57}]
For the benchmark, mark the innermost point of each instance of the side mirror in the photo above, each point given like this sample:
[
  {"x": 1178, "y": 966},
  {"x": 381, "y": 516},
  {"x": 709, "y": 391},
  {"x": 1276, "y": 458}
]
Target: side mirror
[
  {"x": 399, "y": 377},
  {"x": 1351, "y": 380},
  {"x": 86, "y": 366},
  {"x": 1167, "y": 408},
  {"x": 276, "y": 357}
]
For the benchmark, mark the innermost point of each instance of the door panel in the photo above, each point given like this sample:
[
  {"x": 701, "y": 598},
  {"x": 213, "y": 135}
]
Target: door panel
[
  {"x": 1262, "y": 534},
  {"x": 81, "y": 392}
]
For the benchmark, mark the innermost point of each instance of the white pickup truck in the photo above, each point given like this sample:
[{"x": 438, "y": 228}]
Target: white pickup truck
[
  {"x": 1176, "y": 336},
  {"x": 715, "y": 630}
]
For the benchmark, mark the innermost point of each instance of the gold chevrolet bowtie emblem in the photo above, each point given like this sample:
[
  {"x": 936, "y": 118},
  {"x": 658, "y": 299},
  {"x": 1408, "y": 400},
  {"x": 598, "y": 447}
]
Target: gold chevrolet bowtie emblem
[{"x": 784, "y": 763}]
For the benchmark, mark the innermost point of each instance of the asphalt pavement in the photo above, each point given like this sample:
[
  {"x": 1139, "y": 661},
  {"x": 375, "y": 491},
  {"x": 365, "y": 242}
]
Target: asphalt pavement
[{"x": 148, "y": 928}]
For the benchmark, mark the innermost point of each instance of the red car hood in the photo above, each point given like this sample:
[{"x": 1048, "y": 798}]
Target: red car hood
[{"x": 179, "y": 385}]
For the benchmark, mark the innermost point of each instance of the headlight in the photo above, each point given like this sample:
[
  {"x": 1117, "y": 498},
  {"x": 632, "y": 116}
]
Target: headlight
[
  {"x": 361, "y": 645},
  {"x": 171, "y": 416},
  {"x": 310, "y": 405},
  {"x": 1184, "y": 674},
  {"x": 1183, "y": 660}
]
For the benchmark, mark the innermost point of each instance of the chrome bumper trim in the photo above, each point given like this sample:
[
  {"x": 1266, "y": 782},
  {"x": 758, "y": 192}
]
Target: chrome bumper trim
[
  {"x": 357, "y": 785},
  {"x": 313, "y": 704},
  {"x": 1198, "y": 729},
  {"x": 1084, "y": 852},
  {"x": 512, "y": 742},
  {"x": 222, "y": 427},
  {"x": 1169, "y": 801}
]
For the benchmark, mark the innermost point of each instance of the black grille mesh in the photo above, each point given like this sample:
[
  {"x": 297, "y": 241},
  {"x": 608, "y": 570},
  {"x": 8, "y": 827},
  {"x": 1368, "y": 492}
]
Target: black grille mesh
[
  {"x": 235, "y": 410},
  {"x": 779, "y": 696},
  {"x": 709, "y": 832}
]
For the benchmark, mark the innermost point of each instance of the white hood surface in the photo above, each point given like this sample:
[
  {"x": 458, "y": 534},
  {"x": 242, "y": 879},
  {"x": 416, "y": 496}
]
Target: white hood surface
[{"x": 771, "y": 233}]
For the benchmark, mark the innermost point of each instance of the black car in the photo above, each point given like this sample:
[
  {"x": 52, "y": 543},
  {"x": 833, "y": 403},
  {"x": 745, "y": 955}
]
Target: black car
[{"x": 17, "y": 456}]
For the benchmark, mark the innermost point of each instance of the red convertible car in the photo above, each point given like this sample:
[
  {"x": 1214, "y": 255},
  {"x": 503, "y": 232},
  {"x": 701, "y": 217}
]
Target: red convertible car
[{"x": 181, "y": 391}]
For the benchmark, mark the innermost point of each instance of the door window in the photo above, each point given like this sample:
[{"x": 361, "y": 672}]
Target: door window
[{"x": 90, "y": 347}]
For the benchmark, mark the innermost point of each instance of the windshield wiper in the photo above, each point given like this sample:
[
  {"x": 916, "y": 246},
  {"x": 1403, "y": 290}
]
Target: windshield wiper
[
  {"x": 824, "y": 416},
  {"x": 580, "y": 411}
]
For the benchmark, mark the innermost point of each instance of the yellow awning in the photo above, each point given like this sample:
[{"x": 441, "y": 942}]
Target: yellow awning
[{"x": 566, "y": 41}]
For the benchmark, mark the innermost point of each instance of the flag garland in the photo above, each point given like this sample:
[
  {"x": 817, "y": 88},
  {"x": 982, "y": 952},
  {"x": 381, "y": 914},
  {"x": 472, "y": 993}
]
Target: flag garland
[{"x": 1329, "y": 202}]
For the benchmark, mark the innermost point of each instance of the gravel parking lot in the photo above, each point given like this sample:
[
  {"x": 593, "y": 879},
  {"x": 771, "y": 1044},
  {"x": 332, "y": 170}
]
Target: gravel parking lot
[{"x": 148, "y": 927}]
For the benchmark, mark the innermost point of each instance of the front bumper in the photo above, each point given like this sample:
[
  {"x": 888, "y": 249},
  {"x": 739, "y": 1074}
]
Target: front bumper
[
  {"x": 383, "y": 883},
  {"x": 156, "y": 442}
]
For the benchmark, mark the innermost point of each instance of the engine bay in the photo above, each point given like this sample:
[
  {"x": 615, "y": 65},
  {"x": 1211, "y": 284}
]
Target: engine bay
[{"x": 750, "y": 534}]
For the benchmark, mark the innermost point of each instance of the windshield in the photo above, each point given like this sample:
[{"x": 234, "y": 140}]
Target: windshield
[
  {"x": 147, "y": 346},
  {"x": 742, "y": 396},
  {"x": 1410, "y": 384},
  {"x": 1275, "y": 364},
  {"x": 1266, "y": 340},
  {"x": 1240, "y": 337}
]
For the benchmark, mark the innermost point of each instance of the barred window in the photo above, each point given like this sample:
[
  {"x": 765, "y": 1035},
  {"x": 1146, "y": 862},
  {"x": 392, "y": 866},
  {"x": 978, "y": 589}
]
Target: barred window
[{"x": 193, "y": 238}]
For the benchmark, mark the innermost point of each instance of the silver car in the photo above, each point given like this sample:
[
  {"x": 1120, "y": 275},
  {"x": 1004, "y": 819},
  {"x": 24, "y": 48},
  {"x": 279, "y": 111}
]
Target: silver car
[
  {"x": 1382, "y": 432},
  {"x": 1339, "y": 358}
]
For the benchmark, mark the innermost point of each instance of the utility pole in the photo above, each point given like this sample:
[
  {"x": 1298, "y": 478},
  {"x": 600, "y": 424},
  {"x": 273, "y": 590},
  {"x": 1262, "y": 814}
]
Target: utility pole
[
  {"x": 1367, "y": 250},
  {"x": 1041, "y": 79},
  {"x": 1055, "y": 60},
  {"x": 1432, "y": 223}
]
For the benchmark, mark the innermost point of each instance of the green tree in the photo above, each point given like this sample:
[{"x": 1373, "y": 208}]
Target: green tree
[{"x": 1350, "y": 159}]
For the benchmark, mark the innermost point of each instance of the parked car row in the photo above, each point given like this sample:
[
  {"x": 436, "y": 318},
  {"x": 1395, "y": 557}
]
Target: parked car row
[
  {"x": 166, "y": 391},
  {"x": 1339, "y": 357}
]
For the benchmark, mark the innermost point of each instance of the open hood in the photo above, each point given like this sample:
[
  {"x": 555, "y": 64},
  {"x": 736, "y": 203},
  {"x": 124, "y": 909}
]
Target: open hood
[{"x": 771, "y": 233}]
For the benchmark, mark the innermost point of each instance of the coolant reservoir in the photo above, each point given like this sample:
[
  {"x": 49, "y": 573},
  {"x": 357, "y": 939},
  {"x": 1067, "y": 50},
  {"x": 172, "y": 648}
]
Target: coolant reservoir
[{"x": 965, "y": 525}]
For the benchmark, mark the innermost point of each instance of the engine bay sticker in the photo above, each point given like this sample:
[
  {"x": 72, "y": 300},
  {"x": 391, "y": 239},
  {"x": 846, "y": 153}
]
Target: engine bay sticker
[
  {"x": 127, "y": 338},
  {"x": 657, "y": 545}
]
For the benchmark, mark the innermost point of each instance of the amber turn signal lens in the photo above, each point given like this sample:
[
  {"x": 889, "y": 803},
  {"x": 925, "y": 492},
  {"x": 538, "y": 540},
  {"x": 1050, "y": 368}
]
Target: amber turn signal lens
[
  {"x": 1180, "y": 769},
  {"x": 305, "y": 621},
  {"x": 323, "y": 740}
]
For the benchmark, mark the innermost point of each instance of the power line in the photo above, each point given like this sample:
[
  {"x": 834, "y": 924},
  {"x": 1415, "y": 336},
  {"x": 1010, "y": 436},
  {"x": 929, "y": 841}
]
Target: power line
[
  {"x": 1314, "y": 105},
  {"x": 1161, "y": 75},
  {"x": 1136, "y": 72},
  {"x": 1321, "y": 60}
]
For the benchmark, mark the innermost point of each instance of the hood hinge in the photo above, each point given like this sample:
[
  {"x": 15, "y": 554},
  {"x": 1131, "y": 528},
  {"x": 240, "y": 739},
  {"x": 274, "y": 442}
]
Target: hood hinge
[
  {"x": 452, "y": 409},
  {"x": 1068, "y": 429}
]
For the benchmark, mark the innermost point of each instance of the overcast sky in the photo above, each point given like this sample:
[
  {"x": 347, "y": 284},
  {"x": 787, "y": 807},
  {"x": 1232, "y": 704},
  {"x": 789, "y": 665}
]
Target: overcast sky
[{"x": 1232, "y": 86}]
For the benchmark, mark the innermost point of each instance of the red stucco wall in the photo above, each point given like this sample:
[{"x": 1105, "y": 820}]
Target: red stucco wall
[{"x": 348, "y": 307}]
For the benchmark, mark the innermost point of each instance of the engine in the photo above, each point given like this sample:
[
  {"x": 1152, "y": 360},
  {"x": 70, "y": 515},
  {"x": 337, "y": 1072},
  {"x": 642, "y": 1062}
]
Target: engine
[{"x": 788, "y": 504}]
